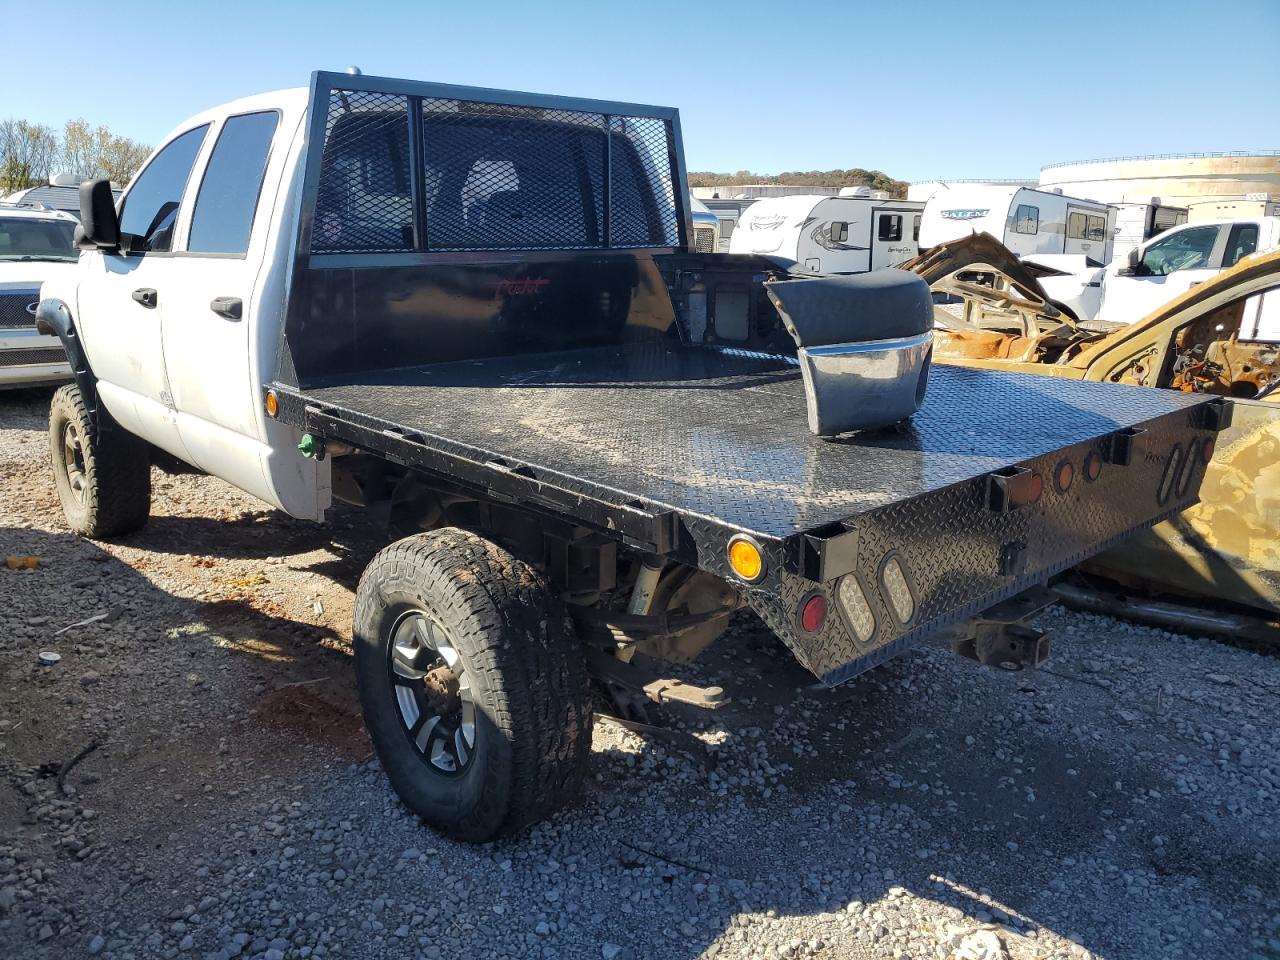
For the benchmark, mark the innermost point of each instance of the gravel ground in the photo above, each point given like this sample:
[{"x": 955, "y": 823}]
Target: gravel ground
[{"x": 1122, "y": 802}]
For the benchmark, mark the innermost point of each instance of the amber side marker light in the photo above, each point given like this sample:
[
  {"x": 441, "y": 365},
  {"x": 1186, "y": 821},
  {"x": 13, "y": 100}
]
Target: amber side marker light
[
  {"x": 272, "y": 403},
  {"x": 1092, "y": 466},
  {"x": 745, "y": 559},
  {"x": 1063, "y": 475}
]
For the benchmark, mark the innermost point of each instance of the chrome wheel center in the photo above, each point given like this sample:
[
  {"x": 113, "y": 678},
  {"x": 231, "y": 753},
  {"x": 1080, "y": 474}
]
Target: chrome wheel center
[
  {"x": 433, "y": 693},
  {"x": 73, "y": 458}
]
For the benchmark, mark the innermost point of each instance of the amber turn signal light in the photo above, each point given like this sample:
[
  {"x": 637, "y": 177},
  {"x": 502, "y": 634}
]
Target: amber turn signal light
[
  {"x": 745, "y": 559},
  {"x": 272, "y": 403}
]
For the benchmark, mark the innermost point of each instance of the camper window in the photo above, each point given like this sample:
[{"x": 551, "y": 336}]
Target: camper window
[
  {"x": 1075, "y": 226},
  {"x": 839, "y": 231},
  {"x": 1097, "y": 229},
  {"x": 1026, "y": 219},
  {"x": 890, "y": 226},
  {"x": 915, "y": 228}
]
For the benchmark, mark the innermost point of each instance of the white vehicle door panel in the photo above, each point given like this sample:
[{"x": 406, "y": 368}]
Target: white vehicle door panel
[
  {"x": 1126, "y": 299},
  {"x": 122, "y": 297},
  {"x": 210, "y": 325}
]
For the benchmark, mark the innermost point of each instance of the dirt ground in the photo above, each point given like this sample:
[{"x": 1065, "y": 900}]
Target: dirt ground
[{"x": 192, "y": 778}]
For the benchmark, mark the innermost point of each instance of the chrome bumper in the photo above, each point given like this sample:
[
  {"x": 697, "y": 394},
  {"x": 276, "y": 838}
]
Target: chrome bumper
[{"x": 859, "y": 386}]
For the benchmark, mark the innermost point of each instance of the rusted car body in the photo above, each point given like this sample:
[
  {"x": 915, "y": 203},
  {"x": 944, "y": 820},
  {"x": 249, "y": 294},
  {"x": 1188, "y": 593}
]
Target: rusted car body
[{"x": 1228, "y": 546}]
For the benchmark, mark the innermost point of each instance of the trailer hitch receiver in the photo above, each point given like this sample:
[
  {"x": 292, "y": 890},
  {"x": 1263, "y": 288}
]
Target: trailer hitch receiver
[{"x": 1000, "y": 636}]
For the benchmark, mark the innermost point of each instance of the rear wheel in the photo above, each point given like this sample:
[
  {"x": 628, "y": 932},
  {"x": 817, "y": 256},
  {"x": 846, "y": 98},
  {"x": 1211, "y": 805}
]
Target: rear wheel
[
  {"x": 473, "y": 687},
  {"x": 104, "y": 476}
]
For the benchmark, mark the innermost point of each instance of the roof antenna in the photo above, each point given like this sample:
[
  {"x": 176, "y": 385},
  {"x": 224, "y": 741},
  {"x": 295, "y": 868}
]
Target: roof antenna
[{"x": 355, "y": 71}]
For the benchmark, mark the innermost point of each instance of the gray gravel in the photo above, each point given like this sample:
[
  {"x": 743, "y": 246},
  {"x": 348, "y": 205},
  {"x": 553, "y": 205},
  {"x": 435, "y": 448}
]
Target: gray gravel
[{"x": 1123, "y": 802}]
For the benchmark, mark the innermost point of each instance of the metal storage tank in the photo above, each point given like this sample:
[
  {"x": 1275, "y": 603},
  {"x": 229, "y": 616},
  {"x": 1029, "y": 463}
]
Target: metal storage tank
[{"x": 1178, "y": 179}]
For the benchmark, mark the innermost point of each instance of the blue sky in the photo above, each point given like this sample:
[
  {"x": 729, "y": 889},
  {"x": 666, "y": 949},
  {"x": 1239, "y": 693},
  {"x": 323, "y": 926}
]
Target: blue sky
[{"x": 912, "y": 87}]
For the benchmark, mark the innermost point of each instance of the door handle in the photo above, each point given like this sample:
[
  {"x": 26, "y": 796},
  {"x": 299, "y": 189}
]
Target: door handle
[
  {"x": 146, "y": 296},
  {"x": 230, "y": 308}
]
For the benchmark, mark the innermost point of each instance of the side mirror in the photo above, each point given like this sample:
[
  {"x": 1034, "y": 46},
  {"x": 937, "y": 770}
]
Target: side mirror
[
  {"x": 99, "y": 226},
  {"x": 1131, "y": 268}
]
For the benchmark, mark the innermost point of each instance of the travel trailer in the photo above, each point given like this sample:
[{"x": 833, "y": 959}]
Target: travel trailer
[
  {"x": 1233, "y": 208},
  {"x": 827, "y": 235},
  {"x": 1137, "y": 223},
  {"x": 1031, "y": 223}
]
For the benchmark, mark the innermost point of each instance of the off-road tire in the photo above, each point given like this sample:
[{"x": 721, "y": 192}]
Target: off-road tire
[
  {"x": 527, "y": 674},
  {"x": 113, "y": 473}
]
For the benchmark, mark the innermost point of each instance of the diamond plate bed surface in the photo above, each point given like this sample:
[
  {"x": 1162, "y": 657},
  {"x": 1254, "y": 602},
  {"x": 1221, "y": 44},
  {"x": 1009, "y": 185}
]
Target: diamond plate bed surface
[{"x": 724, "y": 435}]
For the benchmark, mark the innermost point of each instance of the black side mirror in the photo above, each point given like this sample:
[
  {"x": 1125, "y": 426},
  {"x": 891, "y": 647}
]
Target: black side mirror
[
  {"x": 99, "y": 226},
  {"x": 1131, "y": 268}
]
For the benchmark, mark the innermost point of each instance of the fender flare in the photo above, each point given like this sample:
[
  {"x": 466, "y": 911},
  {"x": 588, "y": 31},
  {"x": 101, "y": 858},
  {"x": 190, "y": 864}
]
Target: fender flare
[{"x": 53, "y": 317}]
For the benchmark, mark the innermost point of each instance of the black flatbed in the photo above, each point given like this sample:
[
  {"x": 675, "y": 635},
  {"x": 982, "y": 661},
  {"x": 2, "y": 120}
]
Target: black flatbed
[
  {"x": 723, "y": 435},
  {"x": 673, "y": 450}
]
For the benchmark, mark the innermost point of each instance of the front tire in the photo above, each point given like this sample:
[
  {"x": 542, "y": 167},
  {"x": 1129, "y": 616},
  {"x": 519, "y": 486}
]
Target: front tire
[
  {"x": 103, "y": 476},
  {"x": 473, "y": 687}
]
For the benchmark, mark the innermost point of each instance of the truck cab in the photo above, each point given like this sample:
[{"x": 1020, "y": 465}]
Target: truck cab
[{"x": 178, "y": 324}]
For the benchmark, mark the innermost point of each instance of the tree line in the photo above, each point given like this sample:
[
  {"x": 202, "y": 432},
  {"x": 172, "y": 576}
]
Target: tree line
[
  {"x": 855, "y": 177},
  {"x": 32, "y": 152}
]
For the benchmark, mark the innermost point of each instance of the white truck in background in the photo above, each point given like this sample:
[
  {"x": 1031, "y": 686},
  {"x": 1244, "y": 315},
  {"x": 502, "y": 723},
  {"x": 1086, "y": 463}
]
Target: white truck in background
[
  {"x": 809, "y": 234},
  {"x": 1173, "y": 262}
]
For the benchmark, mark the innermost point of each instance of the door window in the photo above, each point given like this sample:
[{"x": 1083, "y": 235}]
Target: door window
[
  {"x": 890, "y": 227},
  {"x": 915, "y": 228},
  {"x": 1076, "y": 226},
  {"x": 150, "y": 208},
  {"x": 1186, "y": 250},
  {"x": 1242, "y": 241},
  {"x": 1026, "y": 219},
  {"x": 223, "y": 216}
]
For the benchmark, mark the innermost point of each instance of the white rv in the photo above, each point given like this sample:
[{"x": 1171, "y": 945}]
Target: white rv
[
  {"x": 1031, "y": 223},
  {"x": 1136, "y": 223},
  {"x": 826, "y": 235}
]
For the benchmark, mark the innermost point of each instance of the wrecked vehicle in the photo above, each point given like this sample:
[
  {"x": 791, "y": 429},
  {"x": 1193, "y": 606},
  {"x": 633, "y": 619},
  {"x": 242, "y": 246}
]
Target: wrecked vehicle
[
  {"x": 475, "y": 314},
  {"x": 1221, "y": 337}
]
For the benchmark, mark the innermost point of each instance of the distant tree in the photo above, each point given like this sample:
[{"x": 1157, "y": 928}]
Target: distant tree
[
  {"x": 97, "y": 152},
  {"x": 854, "y": 177},
  {"x": 28, "y": 152}
]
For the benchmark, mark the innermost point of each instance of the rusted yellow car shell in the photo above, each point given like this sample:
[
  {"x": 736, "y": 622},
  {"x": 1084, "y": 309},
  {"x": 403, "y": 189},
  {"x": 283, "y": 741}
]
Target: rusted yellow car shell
[{"x": 1228, "y": 546}]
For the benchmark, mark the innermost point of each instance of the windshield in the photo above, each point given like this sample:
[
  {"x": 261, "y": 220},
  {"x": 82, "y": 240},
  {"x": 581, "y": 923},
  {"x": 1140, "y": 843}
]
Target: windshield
[{"x": 26, "y": 238}]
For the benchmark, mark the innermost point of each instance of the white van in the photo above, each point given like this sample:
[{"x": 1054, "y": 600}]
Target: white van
[
  {"x": 1029, "y": 222},
  {"x": 824, "y": 235}
]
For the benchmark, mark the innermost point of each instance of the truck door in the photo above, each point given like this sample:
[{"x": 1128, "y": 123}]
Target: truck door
[
  {"x": 123, "y": 297},
  {"x": 1169, "y": 267},
  {"x": 207, "y": 330}
]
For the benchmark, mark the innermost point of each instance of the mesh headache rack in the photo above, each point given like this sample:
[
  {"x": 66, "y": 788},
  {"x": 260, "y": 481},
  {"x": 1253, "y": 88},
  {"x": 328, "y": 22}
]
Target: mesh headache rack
[{"x": 408, "y": 167}]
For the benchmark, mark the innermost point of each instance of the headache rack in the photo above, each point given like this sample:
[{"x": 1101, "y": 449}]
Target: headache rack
[{"x": 374, "y": 185}]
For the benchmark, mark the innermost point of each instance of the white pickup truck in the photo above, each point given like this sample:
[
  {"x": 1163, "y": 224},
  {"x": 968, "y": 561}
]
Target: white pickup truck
[
  {"x": 1157, "y": 270},
  {"x": 476, "y": 313}
]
